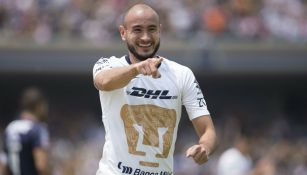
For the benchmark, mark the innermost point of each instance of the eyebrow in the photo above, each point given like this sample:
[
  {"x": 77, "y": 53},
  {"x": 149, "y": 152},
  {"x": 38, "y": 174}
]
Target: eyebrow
[
  {"x": 136, "y": 26},
  {"x": 150, "y": 26}
]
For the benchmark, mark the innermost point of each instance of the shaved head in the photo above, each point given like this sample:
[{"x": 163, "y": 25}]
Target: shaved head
[
  {"x": 139, "y": 10},
  {"x": 141, "y": 32}
]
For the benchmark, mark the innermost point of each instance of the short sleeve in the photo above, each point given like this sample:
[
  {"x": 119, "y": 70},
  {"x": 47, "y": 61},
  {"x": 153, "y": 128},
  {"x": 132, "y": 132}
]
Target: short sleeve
[
  {"x": 100, "y": 65},
  {"x": 41, "y": 136},
  {"x": 192, "y": 97}
]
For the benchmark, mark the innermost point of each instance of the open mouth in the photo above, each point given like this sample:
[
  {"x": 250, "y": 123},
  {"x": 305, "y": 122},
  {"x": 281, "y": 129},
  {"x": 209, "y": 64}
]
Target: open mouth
[{"x": 145, "y": 45}]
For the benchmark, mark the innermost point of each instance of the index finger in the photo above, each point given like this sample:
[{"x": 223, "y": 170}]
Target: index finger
[{"x": 159, "y": 60}]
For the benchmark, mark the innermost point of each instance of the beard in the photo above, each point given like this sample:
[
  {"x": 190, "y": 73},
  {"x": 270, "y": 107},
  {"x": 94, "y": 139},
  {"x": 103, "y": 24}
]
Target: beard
[{"x": 142, "y": 57}]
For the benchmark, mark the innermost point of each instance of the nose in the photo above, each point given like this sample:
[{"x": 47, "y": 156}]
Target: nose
[{"x": 145, "y": 37}]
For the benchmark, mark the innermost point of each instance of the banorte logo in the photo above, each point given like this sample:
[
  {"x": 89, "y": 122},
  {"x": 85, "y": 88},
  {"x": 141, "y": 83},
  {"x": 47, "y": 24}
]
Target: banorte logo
[
  {"x": 137, "y": 171},
  {"x": 150, "y": 118}
]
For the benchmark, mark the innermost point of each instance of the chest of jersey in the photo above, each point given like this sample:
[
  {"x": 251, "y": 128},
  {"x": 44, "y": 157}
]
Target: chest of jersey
[{"x": 146, "y": 90}]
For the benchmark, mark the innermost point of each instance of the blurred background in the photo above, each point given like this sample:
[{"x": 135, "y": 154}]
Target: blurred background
[{"x": 249, "y": 57}]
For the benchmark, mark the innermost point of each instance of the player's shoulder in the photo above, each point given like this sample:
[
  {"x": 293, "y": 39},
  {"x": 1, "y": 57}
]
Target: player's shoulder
[
  {"x": 102, "y": 60},
  {"x": 177, "y": 67},
  {"x": 19, "y": 126},
  {"x": 39, "y": 126},
  {"x": 113, "y": 60}
]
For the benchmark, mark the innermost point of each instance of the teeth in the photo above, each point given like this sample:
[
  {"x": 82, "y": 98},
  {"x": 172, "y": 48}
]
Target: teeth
[{"x": 144, "y": 45}]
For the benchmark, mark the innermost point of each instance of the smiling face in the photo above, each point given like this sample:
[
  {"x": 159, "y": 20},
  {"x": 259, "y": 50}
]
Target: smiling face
[{"x": 141, "y": 31}]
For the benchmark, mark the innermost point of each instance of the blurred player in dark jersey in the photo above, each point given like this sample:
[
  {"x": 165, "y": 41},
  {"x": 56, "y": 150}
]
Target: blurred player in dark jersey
[{"x": 26, "y": 139}]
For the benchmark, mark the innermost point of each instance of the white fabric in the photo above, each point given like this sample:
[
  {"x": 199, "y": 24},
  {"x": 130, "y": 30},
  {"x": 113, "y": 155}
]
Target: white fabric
[
  {"x": 233, "y": 162},
  {"x": 156, "y": 105}
]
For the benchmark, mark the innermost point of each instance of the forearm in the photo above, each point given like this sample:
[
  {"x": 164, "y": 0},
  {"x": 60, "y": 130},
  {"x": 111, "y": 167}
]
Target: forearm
[
  {"x": 41, "y": 161},
  {"x": 206, "y": 132},
  {"x": 115, "y": 78},
  {"x": 43, "y": 166},
  {"x": 208, "y": 139}
]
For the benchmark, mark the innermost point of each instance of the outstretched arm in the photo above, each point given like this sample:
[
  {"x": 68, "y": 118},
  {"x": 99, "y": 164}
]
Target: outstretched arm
[
  {"x": 116, "y": 78},
  {"x": 207, "y": 142}
]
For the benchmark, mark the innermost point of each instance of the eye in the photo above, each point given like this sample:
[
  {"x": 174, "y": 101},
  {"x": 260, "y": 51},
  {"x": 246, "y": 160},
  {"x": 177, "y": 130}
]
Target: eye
[
  {"x": 152, "y": 29},
  {"x": 137, "y": 30}
]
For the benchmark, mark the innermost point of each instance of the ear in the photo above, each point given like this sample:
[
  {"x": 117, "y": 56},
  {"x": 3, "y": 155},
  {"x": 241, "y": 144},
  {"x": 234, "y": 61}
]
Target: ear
[{"x": 122, "y": 32}]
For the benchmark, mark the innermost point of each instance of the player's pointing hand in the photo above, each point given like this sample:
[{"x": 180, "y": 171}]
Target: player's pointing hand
[
  {"x": 199, "y": 153},
  {"x": 149, "y": 67}
]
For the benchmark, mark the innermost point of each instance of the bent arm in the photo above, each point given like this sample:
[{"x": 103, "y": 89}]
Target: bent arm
[
  {"x": 205, "y": 130},
  {"x": 115, "y": 78},
  {"x": 118, "y": 77}
]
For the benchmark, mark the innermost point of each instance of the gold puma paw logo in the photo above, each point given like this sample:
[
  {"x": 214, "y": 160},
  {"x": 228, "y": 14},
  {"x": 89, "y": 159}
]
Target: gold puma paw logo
[{"x": 150, "y": 118}]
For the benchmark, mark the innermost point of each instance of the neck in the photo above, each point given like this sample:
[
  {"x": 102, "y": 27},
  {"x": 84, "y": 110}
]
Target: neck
[
  {"x": 133, "y": 59},
  {"x": 28, "y": 116}
]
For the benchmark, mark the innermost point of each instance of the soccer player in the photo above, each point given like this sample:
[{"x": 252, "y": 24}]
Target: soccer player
[
  {"x": 141, "y": 97},
  {"x": 26, "y": 139}
]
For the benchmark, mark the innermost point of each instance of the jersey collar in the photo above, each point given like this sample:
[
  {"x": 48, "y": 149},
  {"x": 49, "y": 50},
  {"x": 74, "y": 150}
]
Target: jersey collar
[{"x": 129, "y": 61}]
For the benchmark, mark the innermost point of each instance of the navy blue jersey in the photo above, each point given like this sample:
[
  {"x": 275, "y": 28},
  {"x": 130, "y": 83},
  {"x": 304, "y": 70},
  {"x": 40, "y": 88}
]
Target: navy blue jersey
[{"x": 20, "y": 139}]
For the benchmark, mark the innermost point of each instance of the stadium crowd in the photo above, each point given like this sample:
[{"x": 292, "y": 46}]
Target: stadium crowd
[{"x": 46, "y": 21}]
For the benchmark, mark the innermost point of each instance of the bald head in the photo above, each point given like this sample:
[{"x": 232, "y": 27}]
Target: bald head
[
  {"x": 141, "y": 32},
  {"x": 140, "y": 11}
]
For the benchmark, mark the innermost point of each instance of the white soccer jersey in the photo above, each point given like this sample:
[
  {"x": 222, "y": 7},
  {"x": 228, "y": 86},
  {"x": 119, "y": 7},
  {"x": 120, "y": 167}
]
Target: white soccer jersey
[{"x": 141, "y": 119}]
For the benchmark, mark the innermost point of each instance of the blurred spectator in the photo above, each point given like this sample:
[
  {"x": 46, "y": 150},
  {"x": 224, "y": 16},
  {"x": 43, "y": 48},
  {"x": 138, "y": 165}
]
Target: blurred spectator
[
  {"x": 215, "y": 20},
  {"x": 91, "y": 20},
  {"x": 236, "y": 160},
  {"x": 283, "y": 18},
  {"x": 265, "y": 166},
  {"x": 180, "y": 27}
]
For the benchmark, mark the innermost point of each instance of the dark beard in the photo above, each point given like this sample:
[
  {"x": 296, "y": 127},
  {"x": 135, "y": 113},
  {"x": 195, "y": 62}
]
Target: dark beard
[{"x": 132, "y": 49}]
